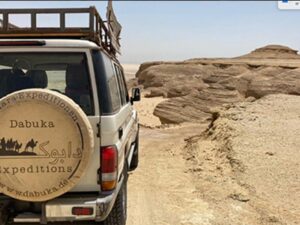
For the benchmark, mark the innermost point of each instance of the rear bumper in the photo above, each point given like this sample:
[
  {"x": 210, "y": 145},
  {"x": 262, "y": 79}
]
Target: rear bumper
[{"x": 60, "y": 209}]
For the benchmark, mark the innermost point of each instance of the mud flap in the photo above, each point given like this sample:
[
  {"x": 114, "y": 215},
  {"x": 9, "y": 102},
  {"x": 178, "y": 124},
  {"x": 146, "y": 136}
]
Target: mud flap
[{"x": 4, "y": 211}]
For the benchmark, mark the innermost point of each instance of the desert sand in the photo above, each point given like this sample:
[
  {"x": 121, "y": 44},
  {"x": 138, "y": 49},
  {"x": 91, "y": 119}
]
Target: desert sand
[
  {"x": 235, "y": 158},
  {"x": 146, "y": 108}
]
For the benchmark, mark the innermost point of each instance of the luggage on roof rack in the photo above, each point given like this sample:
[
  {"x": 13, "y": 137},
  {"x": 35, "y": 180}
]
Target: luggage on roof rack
[{"x": 97, "y": 31}]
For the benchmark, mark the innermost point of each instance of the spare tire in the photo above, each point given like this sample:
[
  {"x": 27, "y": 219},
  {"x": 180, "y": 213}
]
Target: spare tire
[{"x": 46, "y": 142}]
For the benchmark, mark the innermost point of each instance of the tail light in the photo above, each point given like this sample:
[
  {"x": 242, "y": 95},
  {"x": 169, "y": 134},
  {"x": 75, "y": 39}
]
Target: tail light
[
  {"x": 82, "y": 211},
  {"x": 109, "y": 168}
]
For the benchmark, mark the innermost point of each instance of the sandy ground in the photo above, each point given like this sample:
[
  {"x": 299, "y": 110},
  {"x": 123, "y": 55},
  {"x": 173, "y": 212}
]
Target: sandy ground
[
  {"x": 145, "y": 110},
  {"x": 161, "y": 190},
  {"x": 190, "y": 177}
]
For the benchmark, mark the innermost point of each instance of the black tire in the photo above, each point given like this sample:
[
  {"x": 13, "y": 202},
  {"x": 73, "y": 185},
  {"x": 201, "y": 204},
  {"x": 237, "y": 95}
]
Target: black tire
[
  {"x": 135, "y": 157},
  {"x": 118, "y": 214}
]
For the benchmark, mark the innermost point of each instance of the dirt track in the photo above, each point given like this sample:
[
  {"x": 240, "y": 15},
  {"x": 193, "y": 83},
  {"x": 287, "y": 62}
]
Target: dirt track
[{"x": 161, "y": 190}]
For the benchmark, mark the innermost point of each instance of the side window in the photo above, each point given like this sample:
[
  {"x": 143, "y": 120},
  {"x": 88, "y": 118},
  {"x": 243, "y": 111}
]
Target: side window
[
  {"x": 112, "y": 84},
  {"x": 122, "y": 85},
  {"x": 125, "y": 86}
]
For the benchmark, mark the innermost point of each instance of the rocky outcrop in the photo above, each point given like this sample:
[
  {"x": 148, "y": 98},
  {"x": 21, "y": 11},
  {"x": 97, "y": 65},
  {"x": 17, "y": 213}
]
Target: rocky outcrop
[
  {"x": 273, "y": 52},
  {"x": 197, "y": 106},
  {"x": 172, "y": 80},
  {"x": 287, "y": 82},
  {"x": 194, "y": 87}
]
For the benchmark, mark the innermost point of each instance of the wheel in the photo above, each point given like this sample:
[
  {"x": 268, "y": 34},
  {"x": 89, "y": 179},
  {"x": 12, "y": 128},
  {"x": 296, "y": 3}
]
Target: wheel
[
  {"x": 118, "y": 214},
  {"x": 135, "y": 158}
]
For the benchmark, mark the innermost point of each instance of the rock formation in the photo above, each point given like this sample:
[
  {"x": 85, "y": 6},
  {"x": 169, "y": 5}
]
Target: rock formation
[
  {"x": 273, "y": 52},
  {"x": 194, "y": 87}
]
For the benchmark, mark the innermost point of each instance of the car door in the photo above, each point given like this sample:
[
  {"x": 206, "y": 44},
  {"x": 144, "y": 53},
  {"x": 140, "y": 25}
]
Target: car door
[{"x": 126, "y": 110}]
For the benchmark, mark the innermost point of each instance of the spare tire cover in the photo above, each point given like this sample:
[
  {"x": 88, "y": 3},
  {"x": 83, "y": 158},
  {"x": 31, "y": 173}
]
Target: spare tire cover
[{"x": 46, "y": 142}]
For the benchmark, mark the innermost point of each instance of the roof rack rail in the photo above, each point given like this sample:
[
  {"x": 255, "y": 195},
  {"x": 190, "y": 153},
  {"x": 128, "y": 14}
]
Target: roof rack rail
[{"x": 97, "y": 31}]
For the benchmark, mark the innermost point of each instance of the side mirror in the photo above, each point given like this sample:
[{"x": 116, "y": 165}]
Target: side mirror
[{"x": 135, "y": 95}]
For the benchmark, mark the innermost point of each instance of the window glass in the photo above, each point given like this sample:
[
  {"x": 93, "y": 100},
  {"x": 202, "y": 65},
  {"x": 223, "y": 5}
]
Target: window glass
[
  {"x": 122, "y": 84},
  {"x": 101, "y": 80},
  {"x": 122, "y": 77},
  {"x": 112, "y": 83},
  {"x": 66, "y": 73}
]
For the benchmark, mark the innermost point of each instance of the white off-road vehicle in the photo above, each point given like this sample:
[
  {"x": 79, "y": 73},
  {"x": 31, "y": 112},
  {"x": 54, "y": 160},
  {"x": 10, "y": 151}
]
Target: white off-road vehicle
[{"x": 68, "y": 131}]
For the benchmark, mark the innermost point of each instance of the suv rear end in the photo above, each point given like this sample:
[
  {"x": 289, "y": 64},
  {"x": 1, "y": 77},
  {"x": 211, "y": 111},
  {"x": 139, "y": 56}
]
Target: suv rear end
[{"x": 92, "y": 77}]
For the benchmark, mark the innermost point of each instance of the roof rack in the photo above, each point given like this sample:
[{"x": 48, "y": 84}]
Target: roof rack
[{"x": 97, "y": 30}]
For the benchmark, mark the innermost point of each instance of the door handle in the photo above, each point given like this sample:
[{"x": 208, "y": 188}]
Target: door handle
[{"x": 120, "y": 131}]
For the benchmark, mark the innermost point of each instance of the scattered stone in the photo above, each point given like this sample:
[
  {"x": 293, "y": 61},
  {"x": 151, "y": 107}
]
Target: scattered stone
[
  {"x": 270, "y": 153},
  {"x": 239, "y": 197}
]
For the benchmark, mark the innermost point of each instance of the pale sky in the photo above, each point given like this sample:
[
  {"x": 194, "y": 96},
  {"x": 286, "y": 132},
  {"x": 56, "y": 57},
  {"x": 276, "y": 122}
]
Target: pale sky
[{"x": 178, "y": 30}]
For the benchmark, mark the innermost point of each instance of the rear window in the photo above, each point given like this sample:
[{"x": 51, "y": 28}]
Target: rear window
[{"x": 66, "y": 73}]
